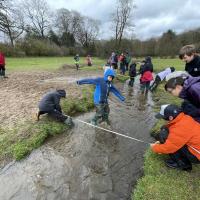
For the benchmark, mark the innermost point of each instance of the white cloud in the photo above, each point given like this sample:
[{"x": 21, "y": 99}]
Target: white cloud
[{"x": 151, "y": 18}]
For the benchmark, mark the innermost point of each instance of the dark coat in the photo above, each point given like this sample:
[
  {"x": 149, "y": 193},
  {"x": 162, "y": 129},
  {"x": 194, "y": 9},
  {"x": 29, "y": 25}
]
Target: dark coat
[
  {"x": 132, "y": 70},
  {"x": 51, "y": 101},
  {"x": 193, "y": 67}
]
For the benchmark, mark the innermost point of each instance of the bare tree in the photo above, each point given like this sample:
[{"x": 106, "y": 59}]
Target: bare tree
[
  {"x": 63, "y": 20},
  {"x": 88, "y": 31},
  {"x": 11, "y": 21},
  {"x": 38, "y": 14},
  {"x": 122, "y": 18}
]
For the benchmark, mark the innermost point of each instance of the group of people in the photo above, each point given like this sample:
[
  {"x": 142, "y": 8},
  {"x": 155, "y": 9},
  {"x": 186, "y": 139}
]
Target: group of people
[
  {"x": 180, "y": 137},
  {"x": 77, "y": 59}
]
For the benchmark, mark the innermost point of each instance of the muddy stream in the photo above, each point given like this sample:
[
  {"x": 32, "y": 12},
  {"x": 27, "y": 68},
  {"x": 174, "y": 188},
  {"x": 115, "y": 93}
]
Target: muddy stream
[{"x": 88, "y": 163}]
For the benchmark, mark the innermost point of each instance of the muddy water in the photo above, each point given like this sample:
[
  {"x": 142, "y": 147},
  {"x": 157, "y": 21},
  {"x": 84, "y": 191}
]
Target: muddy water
[{"x": 87, "y": 164}]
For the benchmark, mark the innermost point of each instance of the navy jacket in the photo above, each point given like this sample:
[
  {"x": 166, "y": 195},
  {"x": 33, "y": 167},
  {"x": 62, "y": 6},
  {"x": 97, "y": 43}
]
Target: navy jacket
[
  {"x": 103, "y": 87},
  {"x": 193, "y": 67},
  {"x": 51, "y": 101}
]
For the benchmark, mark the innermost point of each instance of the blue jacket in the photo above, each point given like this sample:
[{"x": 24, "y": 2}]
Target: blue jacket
[{"x": 103, "y": 87}]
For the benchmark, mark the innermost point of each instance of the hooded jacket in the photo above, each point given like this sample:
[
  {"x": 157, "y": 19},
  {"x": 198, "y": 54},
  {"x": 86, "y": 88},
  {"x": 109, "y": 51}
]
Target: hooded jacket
[
  {"x": 2, "y": 59},
  {"x": 51, "y": 101},
  {"x": 183, "y": 130},
  {"x": 193, "y": 67},
  {"x": 191, "y": 93},
  {"x": 103, "y": 87}
]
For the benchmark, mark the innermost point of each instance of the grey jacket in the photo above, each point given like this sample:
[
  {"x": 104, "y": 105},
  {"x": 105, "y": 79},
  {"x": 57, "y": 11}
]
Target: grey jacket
[{"x": 51, "y": 100}]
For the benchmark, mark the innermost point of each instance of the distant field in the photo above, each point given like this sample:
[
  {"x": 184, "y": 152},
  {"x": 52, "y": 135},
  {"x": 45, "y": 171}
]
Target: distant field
[
  {"x": 44, "y": 63},
  {"x": 53, "y": 63}
]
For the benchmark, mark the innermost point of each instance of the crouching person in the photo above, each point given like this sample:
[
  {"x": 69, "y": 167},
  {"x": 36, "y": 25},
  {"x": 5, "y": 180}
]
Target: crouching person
[
  {"x": 50, "y": 104},
  {"x": 183, "y": 141}
]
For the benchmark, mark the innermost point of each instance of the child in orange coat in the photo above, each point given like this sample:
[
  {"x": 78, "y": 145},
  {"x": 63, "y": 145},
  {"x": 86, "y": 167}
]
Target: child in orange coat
[{"x": 183, "y": 141}]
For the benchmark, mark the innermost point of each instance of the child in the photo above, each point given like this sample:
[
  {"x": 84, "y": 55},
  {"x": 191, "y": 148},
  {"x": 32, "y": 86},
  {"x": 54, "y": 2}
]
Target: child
[
  {"x": 187, "y": 89},
  {"x": 89, "y": 60},
  {"x": 189, "y": 56},
  {"x": 160, "y": 77},
  {"x": 146, "y": 76},
  {"x": 76, "y": 59},
  {"x": 132, "y": 74},
  {"x": 50, "y": 104},
  {"x": 182, "y": 143},
  {"x": 2, "y": 65},
  {"x": 122, "y": 60},
  {"x": 103, "y": 87}
]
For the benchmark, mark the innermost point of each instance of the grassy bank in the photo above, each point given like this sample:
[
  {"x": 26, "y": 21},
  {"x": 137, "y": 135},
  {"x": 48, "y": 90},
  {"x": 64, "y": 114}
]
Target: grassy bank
[
  {"x": 160, "y": 182},
  {"x": 19, "y": 142}
]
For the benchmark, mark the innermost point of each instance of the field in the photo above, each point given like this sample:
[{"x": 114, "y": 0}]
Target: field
[{"x": 30, "y": 78}]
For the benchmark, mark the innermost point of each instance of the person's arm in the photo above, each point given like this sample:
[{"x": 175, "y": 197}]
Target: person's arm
[
  {"x": 116, "y": 92},
  {"x": 57, "y": 106},
  {"x": 174, "y": 142},
  {"x": 87, "y": 81}
]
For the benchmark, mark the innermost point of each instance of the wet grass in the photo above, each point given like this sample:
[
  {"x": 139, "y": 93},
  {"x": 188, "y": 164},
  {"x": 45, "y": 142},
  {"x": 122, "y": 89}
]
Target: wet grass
[
  {"x": 19, "y": 142},
  {"x": 160, "y": 182}
]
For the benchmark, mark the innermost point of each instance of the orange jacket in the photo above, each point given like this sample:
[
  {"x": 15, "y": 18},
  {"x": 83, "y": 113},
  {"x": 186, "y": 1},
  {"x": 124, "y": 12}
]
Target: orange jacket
[{"x": 183, "y": 130}]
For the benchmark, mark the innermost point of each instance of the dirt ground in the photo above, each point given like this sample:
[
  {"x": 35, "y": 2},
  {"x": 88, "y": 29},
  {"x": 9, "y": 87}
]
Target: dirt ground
[{"x": 21, "y": 92}]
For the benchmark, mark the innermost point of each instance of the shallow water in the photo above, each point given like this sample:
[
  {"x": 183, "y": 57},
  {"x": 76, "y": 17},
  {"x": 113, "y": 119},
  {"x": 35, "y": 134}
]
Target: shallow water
[{"x": 87, "y": 164}]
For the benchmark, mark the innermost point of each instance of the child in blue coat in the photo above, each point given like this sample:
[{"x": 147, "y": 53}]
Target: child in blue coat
[{"x": 103, "y": 87}]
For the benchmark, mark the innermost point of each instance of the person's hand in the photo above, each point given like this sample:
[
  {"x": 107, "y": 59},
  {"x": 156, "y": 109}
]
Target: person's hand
[{"x": 152, "y": 145}]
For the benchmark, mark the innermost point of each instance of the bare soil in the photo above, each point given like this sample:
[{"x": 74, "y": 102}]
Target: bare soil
[{"x": 21, "y": 91}]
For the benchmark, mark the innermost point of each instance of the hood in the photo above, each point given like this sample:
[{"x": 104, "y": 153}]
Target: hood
[
  {"x": 189, "y": 81},
  {"x": 62, "y": 93},
  {"x": 109, "y": 72}
]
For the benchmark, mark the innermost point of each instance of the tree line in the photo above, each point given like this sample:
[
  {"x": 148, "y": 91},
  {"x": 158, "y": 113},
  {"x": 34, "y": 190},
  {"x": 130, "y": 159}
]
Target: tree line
[{"x": 31, "y": 28}]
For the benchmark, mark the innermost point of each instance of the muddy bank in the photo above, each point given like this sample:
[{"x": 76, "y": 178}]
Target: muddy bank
[{"x": 89, "y": 163}]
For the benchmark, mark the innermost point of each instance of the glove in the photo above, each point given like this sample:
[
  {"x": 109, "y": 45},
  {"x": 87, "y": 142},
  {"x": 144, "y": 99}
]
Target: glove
[
  {"x": 162, "y": 135},
  {"x": 77, "y": 82}
]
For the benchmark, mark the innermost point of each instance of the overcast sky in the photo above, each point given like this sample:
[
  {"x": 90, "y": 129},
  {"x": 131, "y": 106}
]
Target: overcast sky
[{"x": 151, "y": 17}]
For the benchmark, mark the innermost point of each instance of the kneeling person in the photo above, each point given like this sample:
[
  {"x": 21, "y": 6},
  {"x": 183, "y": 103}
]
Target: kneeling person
[
  {"x": 50, "y": 104},
  {"x": 183, "y": 141}
]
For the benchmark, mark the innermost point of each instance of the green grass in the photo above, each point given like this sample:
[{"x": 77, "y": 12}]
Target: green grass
[
  {"x": 19, "y": 142},
  {"x": 45, "y": 63},
  {"x": 53, "y": 63},
  {"x": 160, "y": 182}
]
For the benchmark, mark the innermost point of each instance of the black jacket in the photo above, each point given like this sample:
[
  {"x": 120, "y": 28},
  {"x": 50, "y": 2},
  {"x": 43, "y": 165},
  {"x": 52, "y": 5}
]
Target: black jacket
[
  {"x": 193, "y": 67},
  {"x": 51, "y": 100},
  {"x": 132, "y": 70}
]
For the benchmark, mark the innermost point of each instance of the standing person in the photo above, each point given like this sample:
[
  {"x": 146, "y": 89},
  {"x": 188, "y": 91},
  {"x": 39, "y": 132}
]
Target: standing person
[
  {"x": 132, "y": 74},
  {"x": 122, "y": 60},
  {"x": 114, "y": 60},
  {"x": 189, "y": 56},
  {"x": 128, "y": 60},
  {"x": 160, "y": 77},
  {"x": 183, "y": 141},
  {"x": 89, "y": 60},
  {"x": 76, "y": 59},
  {"x": 189, "y": 90},
  {"x": 146, "y": 76},
  {"x": 103, "y": 87},
  {"x": 2, "y": 65},
  {"x": 50, "y": 104}
]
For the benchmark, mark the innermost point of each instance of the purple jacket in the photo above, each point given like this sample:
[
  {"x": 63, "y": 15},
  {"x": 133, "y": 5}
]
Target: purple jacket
[{"x": 191, "y": 92}]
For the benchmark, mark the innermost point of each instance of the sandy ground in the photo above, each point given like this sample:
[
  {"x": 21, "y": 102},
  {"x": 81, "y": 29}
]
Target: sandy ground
[{"x": 21, "y": 92}]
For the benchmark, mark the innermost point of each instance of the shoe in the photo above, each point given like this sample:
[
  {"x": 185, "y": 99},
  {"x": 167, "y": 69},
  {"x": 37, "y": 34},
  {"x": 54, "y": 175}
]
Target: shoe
[
  {"x": 69, "y": 122},
  {"x": 93, "y": 122},
  {"x": 178, "y": 165}
]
